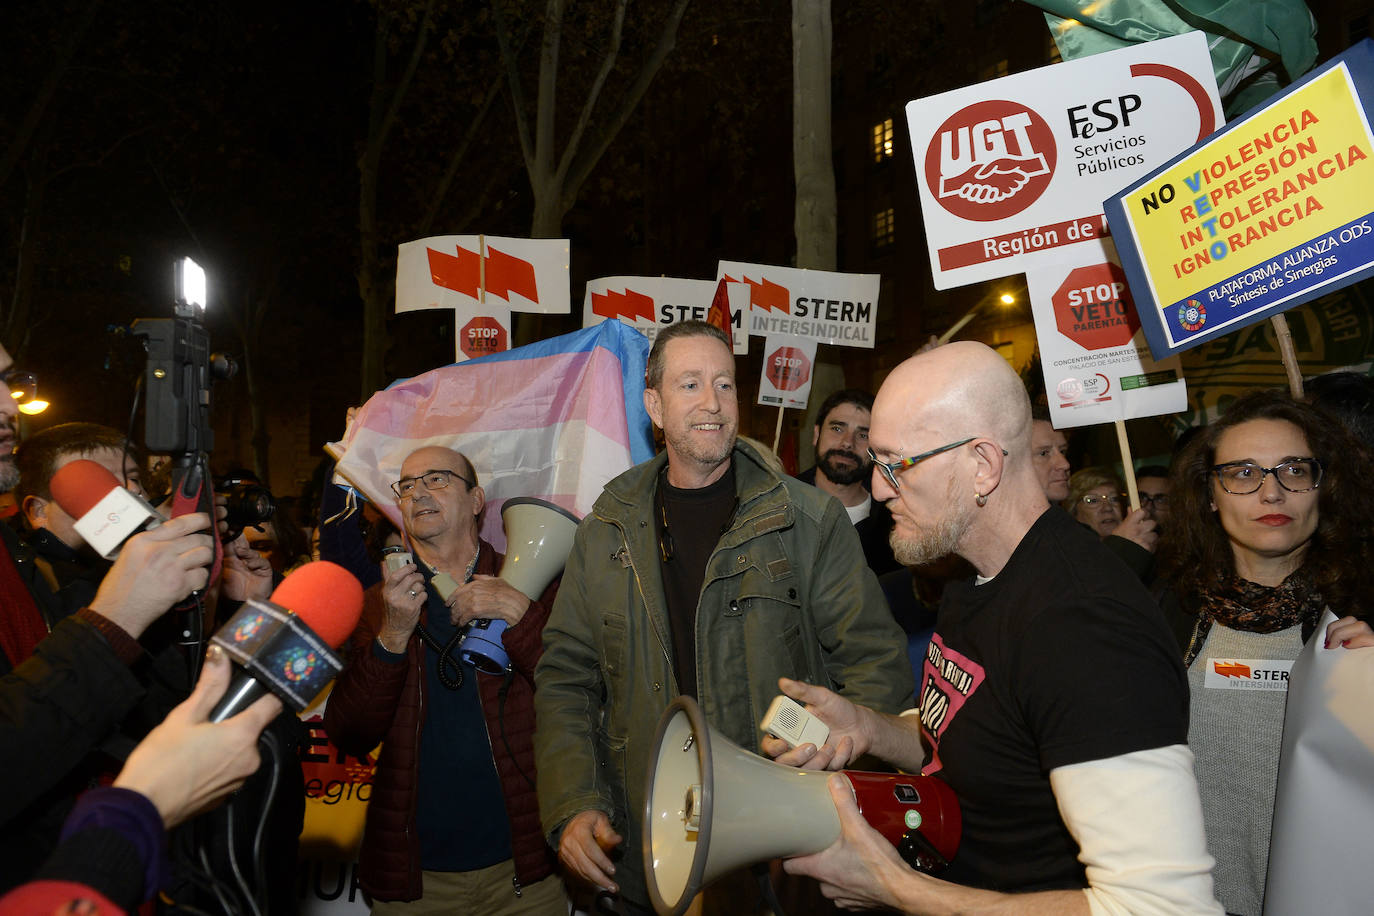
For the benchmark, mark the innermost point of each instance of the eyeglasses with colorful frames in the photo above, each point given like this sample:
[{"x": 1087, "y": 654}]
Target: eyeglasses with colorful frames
[{"x": 890, "y": 469}]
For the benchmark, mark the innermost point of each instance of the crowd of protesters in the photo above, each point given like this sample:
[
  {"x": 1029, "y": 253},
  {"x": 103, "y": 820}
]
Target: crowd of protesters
[{"x": 725, "y": 579}]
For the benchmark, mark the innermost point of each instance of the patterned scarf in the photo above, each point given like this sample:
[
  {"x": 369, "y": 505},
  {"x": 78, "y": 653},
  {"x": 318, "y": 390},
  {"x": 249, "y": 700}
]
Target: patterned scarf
[{"x": 1252, "y": 608}]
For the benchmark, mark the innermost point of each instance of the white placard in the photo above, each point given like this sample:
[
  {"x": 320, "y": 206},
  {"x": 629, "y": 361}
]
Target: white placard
[
  {"x": 820, "y": 305},
  {"x": 1012, "y": 170},
  {"x": 466, "y": 271},
  {"x": 1324, "y": 801},
  {"x": 789, "y": 364},
  {"x": 1093, "y": 354},
  {"x": 650, "y": 304}
]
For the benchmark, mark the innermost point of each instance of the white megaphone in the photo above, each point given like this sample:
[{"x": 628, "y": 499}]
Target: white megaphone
[
  {"x": 712, "y": 807},
  {"x": 539, "y": 537}
]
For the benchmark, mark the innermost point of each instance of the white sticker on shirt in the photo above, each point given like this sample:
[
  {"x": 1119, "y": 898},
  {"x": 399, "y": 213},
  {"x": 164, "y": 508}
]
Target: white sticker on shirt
[{"x": 1247, "y": 673}]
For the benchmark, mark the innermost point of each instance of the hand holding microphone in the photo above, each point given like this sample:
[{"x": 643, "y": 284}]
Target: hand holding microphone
[
  {"x": 105, "y": 513},
  {"x": 187, "y": 764},
  {"x": 155, "y": 570},
  {"x": 285, "y": 646}
]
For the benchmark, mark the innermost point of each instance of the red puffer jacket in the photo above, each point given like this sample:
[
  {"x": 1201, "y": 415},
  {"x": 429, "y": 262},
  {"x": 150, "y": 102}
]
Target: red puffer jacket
[{"x": 374, "y": 700}]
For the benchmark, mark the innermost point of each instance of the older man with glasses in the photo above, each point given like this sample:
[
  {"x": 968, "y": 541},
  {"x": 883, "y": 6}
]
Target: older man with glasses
[
  {"x": 1052, "y": 700},
  {"x": 453, "y": 821}
]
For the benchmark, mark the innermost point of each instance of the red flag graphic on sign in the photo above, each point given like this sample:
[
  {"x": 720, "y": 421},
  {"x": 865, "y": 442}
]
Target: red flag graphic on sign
[
  {"x": 766, "y": 294},
  {"x": 630, "y": 304},
  {"x": 506, "y": 273},
  {"x": 719, "y": 313},
  {"x": 1232, "y": 669}
]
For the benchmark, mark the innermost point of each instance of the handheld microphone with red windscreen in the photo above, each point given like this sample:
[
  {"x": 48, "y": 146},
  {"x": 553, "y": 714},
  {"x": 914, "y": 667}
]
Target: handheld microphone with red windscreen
[
  {"x": 286, "y": 645},
  {"x": 106, "y": 513}
]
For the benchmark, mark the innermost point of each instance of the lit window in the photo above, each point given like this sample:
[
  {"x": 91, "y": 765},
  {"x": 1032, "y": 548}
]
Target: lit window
[
  {"x": 884, "y": 228},
  {"x": 882, "y": 140}
]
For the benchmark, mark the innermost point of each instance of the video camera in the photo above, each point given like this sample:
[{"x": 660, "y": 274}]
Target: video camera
[
  {"x": 176, "y": 388},
  {"x": 180, "y": 370}
]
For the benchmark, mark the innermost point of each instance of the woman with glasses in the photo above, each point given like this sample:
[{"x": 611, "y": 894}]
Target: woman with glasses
[
  {"x": 1266, "y": 534},
  {"x": 1095, "y": 500}
]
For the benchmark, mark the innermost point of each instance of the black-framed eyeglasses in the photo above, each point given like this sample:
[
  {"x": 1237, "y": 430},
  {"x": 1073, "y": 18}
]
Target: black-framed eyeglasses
[
  {"x": 891, "y": 469},
  {"x": 1159, "y": 501},
  {"x": 1241, "y": 478},
  {"x": 433, "y": 479}
]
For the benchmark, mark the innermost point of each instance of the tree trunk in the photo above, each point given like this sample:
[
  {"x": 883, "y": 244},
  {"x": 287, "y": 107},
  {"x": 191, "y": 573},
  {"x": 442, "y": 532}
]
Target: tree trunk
[{"x": 813, "y": 165}]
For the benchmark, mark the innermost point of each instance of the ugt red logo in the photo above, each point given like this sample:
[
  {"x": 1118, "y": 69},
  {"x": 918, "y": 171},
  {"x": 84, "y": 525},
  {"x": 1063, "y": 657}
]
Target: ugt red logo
[{"x": 990, "y": 160}]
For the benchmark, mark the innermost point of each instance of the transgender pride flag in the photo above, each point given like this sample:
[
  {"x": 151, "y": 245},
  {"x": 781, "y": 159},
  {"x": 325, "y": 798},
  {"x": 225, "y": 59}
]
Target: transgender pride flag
[{"x": 556, "y": 419}]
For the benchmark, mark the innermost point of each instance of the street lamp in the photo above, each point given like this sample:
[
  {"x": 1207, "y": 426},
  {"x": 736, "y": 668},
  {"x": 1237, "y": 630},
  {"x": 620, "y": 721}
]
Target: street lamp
[
  {"x": 1007, "y": 299},
  {"x": 24, "y": 389}
]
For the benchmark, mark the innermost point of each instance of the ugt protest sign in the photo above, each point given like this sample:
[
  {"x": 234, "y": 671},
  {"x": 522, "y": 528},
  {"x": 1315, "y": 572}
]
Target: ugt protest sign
[
  {"x": 1271, "y": 212},
  {"x": 1013, "y": 169}
]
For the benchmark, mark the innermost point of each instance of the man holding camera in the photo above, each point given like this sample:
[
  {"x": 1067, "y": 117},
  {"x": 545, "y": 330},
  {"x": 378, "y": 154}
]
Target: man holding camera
[{"x": 453, "y": 823}]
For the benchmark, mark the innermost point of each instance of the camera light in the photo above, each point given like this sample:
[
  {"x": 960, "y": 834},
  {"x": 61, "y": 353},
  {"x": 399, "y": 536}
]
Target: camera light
[
  {"x": 190, "y": 283},
  {"x": 35, "y": 406}
]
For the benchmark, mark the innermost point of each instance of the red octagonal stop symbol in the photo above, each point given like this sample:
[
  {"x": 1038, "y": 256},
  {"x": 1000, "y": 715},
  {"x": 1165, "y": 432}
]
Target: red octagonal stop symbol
[
  {"x": 1093, "y": 307},
  {"x": 788, "y": 368},
  {"x": 482, "y": 335}
]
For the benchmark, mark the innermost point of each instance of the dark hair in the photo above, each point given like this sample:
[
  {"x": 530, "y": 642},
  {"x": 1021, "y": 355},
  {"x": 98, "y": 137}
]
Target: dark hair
[
  {"x": 653, "y": 372},
  {"x": 856, "y": 396},
  {"x": 293, "y": 541},
  {"x": 1152, "y": 470},
  {"x": 1197, "y": 556},
  {"x": 38, "y": 455},
  {"x": 1349, "y": 397}
]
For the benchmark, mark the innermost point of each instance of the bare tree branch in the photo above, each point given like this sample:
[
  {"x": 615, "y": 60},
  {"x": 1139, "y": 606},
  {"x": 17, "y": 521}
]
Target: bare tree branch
[
  {"x": 592, "y": 151},
  {"x": 451, "y": 171},
  {"x": 402, "y": 87},
  {"x": 547, "y": 102},
  {"x": 594, "y": 93},
  {"x": 517, "y": 92}
]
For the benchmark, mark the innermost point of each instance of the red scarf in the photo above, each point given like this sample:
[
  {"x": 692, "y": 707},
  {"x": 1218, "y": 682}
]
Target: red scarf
[{"x": 21, "y": 626}]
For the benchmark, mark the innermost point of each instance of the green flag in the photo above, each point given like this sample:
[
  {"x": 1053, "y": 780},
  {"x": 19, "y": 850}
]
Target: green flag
[{"x": 1257, "y": 46}]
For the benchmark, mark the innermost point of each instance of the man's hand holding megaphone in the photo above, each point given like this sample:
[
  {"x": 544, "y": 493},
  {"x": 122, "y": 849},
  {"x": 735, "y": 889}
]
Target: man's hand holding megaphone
[
  {"x": 487, "y": 597},
  {"x": 854, "y": 871},
  {"x": 854, "y": 731},
  {"x": 857, "y": 870}
]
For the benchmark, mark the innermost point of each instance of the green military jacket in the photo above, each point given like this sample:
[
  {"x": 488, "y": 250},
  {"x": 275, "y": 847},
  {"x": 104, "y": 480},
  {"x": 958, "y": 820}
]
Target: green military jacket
[{"x": 786, "y": 593}]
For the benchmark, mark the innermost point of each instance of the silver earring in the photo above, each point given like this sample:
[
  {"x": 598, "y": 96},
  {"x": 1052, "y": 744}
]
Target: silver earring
[{"x": 980, "y": 499}]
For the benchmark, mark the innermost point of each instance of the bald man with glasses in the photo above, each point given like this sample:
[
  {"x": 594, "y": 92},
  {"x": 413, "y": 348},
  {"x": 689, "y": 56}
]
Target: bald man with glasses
[
  {"x": 1052, "y": 701},
  {"x": 453, "y": 821}
]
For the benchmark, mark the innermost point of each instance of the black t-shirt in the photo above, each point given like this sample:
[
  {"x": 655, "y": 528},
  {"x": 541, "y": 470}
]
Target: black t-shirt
[
  {"x": 1062, "y": 658},
  {"x": 696, "y": 520}
]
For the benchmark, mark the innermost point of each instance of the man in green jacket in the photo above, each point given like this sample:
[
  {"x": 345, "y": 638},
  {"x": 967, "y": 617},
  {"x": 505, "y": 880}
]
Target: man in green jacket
[{"x": 703, "y": 572}]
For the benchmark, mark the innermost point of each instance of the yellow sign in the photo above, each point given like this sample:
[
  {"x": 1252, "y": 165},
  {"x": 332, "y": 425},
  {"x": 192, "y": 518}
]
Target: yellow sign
[{"x": 1294, "y": 172}]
